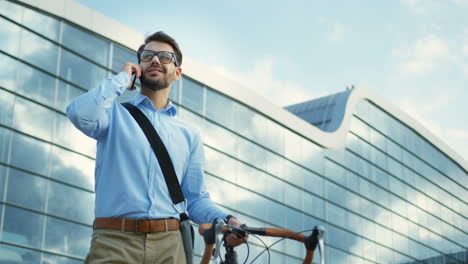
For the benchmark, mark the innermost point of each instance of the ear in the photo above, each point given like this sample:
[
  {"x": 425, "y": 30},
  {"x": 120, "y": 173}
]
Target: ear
[{"x": 178, "y": 73}]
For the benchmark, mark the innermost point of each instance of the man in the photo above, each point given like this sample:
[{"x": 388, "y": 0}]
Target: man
[{"x": 136, "y": 221}]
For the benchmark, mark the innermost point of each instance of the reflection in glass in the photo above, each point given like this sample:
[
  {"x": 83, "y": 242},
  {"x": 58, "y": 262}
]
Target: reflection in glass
[
  {"x": 26, "y": 190},
  {"x": 9, "y": 36},
  {"x": 79, "y": 71},
  {"x": 120, "y": 56},
  {"x": 33, "y": 119},
  {"x": 54, "y": 259},
  {"x": 3, "y": 172},
  {"x": 67, "y": 238},
  {"x": 66, "y": 93},
  {"x": 22, "y": 227},
  {"x": 8, "y": 67},
  {"x": 4, "y": 143},
  {"x": 72, "y": 168},
  {"x": 65, "y": 134},
  {"x": 175, "y": 91},
  {"x": 6, "y": 107},
  {"x": 38, "y": 51},
  {"x": 42, "y": 24},
  {"x": 70, "y": 203},
  {"x": 30, "y": 154},
  {"x": 86, "y": 44},
  {"x": 219, "y": 108},
  {"x": 36, "y": 85},
  {"x": 12, "y": 11},
  {"x": 17, "y": 255},
  {"x": 192, "y": 95}
]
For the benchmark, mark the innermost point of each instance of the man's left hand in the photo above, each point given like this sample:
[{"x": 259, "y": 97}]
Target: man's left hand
[{"x": 232, "y": 239}]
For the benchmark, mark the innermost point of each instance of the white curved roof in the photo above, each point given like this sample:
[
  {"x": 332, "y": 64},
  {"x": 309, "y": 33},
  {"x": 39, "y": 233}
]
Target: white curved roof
[{"x": 112, "y": 29}]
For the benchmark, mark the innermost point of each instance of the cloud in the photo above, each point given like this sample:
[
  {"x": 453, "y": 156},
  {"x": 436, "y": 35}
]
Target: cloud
[
  {"x": 415, "y": 6},
  {"x": 339, "y": 32},
  {"x": 261, "y": 79},
  {"x": 421, "y": 57}
]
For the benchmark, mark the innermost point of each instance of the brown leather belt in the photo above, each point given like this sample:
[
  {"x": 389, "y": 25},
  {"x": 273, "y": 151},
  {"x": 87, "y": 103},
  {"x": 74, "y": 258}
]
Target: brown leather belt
[{"x": 132, "y": 225}]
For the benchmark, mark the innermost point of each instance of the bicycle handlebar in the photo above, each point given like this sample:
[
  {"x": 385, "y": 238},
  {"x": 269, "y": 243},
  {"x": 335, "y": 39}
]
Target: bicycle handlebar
[{"x": 209, "y": 232}]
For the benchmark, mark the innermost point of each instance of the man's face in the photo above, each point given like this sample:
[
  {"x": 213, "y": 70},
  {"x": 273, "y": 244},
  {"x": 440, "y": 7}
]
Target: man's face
[{"x": 156, "y": 75}]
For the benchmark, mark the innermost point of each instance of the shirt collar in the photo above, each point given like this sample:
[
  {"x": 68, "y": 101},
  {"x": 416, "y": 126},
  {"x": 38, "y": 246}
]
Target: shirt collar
[{"x": 142, "y": 99}]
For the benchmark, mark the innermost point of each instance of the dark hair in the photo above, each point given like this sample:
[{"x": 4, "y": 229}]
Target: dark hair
[{"x": 163, "y": 37}]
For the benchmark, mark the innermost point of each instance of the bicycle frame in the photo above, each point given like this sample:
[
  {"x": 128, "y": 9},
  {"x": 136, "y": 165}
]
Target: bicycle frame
[{"x": 210, "y": 233}]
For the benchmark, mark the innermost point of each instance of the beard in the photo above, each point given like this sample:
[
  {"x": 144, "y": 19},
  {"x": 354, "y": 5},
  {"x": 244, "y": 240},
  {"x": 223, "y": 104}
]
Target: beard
[{"x": 155, "y": 85}]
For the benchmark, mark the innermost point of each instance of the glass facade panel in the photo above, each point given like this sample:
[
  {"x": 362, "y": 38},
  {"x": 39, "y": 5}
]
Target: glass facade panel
[
  {"x": 6, "y": 107},
  {"x": 8, "y": 68},
  {"x": 65, "y": 134},
  {"x": 79, "y": 71},
  {"x": 65, "y": 95},
  {"x": 9, "y": 37},
  {"x": 67, "y": 238},
  {"x": 53, "y": 259},
  {"x": 36, "y": 85},
  {"x": 86, "y": 44},
  {"x": 16, "y": 255},
  {"x": 41, "y": 23},
  {"x": 72, "y": 168},
  {"x": 120, "y": 56},
  {"x": 30, "y": 154},
  {"x": 192, "y": 95},
  {"x": 33, "y": 190},
  {"x": 11, "y": 10},
  {"x": 3, "y": 172},
  {"x": 22, "y": 227},
  {"x": 33, "y": 119},
  {"x": 38, "y": 51},
  {"x": 70, "y": 203}
]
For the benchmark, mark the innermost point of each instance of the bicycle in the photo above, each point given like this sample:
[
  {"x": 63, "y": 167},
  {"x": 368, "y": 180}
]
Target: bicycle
[{"x": 211, "y": 232}]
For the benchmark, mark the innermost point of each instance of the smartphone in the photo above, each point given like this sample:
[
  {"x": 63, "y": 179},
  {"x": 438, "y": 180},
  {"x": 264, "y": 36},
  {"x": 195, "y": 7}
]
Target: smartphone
[{"x": 133, "y": 82}]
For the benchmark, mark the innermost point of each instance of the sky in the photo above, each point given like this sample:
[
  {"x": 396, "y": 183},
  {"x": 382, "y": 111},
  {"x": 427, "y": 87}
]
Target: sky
[{"x": 414, "y": 53}]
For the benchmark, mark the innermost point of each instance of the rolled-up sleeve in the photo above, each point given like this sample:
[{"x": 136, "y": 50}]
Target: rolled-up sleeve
[
  {"x": 90, "y": 112},
  {"x": 200, "y": 207}
]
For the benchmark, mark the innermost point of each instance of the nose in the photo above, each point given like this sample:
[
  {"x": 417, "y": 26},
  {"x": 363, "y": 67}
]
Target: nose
[{"x": 155, "y": 59}]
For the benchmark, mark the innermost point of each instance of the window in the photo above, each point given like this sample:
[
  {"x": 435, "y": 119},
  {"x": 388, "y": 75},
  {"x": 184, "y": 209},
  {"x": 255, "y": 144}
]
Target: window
[
  {"x": 26, "y": 190},
  {"x": 30, "y": 154},
  {"x": 72, "y": 168},
  {"x": 192, "y": 95},
  {"x": 22, "y": 227},
  {"x": 9, "y": 36},
  {"x": 120, "y": 56},
  {"x": 38, "y": 51},
  {"x": 86, "y": 44},
  {"x": 33, "y": 119},
  {"x": 8, "y": 67},
  {"x": 79, "y": 71},
  {"x": 67, "y": 238},
  {"x": 42, "y": 24},
  {"x": 36, "y": 85},
  {"x": 6, "y": 107},
  {"x": 70, "y": 203},
  {"x": 66, "y": 93}
]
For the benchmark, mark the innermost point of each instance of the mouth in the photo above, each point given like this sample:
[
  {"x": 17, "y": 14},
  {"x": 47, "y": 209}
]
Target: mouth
[{"x": 155, "y": 70}]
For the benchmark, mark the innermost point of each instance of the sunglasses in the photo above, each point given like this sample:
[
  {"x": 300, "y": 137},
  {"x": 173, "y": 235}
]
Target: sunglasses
[{"x": 164, "y": 57}]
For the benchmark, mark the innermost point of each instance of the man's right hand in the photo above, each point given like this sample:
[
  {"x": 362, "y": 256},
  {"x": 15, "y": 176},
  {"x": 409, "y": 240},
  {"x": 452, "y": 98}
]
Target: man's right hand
[{"x": 131, "y": 69}]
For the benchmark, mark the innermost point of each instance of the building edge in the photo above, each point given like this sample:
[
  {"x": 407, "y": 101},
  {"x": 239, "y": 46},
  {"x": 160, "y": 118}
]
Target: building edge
[{"x": 103, "y": 25}]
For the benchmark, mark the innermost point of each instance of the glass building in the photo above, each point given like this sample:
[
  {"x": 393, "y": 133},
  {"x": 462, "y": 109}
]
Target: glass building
[{"x": 384, "y": 187}]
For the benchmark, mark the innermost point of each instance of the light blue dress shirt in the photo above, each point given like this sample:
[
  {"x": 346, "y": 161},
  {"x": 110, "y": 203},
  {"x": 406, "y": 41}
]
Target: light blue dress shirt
[{"x": 128, "y": 179}]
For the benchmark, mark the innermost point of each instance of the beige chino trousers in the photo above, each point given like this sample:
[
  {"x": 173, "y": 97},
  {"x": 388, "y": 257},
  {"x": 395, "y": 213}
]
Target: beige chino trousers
[{"x": 120, "y": 247}]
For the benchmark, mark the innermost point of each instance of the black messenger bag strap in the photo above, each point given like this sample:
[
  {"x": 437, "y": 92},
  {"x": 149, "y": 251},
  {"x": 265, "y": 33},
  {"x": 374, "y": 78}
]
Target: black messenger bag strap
[
  {"x": 170, "y": 177},
  {"x": 160, "y": 151}
]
